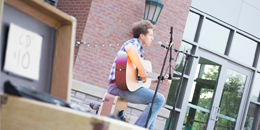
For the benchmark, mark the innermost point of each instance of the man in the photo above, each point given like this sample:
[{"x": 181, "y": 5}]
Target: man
[
  {"x": 188, "y": 125},
  {"x": 142, "y": 36}
]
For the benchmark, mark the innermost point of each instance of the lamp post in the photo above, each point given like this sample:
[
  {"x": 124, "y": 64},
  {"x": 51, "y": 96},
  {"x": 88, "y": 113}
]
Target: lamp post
[{"x": 152, "y": 10}]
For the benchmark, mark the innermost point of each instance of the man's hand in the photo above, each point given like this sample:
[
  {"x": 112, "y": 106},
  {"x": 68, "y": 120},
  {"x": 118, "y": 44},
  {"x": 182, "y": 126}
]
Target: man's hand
[
  {"x": 165, "y": 80},
  {"x": 143, "y": 75}
]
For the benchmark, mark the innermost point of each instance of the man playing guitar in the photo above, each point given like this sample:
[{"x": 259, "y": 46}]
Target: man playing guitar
[{"x": 142, "y": 36}]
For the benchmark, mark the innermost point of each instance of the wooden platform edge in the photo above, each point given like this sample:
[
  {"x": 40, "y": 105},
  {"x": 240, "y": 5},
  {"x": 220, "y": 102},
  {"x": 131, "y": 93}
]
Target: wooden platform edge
[{"x": 26, "y": 114}]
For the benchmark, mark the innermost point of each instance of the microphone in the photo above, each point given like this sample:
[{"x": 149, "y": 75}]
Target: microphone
[{"x": 162, "y": 45}]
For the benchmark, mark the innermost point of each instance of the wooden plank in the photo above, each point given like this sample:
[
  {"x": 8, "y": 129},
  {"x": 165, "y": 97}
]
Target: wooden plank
[
  {"x": 107, "y": 105},
  {"x": 63, "y": 62},
  {"x": 42, "y": 11},
  {"x": 22, "y": 113},
  {"x": 25, "y": 114}
]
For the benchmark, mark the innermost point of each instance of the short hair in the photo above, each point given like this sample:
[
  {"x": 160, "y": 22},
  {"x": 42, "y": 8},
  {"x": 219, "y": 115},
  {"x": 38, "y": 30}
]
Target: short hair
[
  {"x": 141, "y": 27},
  {"x": 190, "y": 120}
]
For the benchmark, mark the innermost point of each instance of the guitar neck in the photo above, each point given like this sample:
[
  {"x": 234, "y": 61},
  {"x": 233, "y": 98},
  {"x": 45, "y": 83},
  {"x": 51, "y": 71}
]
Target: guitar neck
[
  {"x": 152, "y": 75},
  {"x": 155, "y": 76}
]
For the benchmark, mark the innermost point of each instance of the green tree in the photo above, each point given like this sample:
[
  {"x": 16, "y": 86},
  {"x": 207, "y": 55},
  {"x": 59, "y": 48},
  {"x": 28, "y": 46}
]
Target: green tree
[
  {"x": 230, "y": 100},
  {"x": 207, "y": 81}
]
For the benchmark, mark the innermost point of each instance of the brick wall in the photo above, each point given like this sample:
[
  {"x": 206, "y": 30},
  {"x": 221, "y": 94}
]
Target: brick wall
[
  {"x": 80, "y": 10},
  {"x": 109, "y": 21}
]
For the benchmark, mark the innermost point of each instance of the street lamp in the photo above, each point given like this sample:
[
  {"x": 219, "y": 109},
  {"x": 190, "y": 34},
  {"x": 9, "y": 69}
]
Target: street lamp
[{"x": 152, "y": 10}]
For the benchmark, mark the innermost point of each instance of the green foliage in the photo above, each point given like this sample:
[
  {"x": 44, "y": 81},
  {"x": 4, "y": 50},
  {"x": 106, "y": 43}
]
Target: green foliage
[
  {"x": 212, "y": 74},
  {"x": 230, "y": 101},
  {"x": 231, "y": 98}
]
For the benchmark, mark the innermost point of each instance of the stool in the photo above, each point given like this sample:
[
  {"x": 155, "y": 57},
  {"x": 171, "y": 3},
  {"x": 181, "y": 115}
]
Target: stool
[{"x": 112, "y": 105}]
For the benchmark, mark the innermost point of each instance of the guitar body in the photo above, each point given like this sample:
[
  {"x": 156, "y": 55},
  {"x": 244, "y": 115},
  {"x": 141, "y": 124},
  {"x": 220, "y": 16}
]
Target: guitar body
[{"x": 126, "y": 73}]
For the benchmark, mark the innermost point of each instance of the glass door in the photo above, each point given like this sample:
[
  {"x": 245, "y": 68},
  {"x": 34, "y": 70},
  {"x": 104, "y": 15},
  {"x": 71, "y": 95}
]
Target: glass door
[
  {"x": 230, "y": 102},
  {"x": 204, "y": 88},
  {"x": 216, "y": 95}
]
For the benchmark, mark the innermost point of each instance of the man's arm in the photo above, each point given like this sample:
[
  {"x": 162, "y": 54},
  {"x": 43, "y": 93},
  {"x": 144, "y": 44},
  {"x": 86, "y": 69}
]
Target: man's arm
[{"x": 131, "y": 50}]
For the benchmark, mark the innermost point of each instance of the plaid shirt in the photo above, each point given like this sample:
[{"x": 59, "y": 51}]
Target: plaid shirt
[{"x": 139, "y": 47}]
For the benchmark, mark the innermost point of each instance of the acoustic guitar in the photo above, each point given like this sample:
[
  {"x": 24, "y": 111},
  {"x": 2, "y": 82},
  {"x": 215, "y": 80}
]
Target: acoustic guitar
[{"x": 126, "y": 73}]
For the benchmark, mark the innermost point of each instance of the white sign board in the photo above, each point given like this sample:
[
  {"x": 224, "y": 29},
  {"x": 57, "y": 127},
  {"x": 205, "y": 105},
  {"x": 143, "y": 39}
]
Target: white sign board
[{"x": 23, "y": 52}]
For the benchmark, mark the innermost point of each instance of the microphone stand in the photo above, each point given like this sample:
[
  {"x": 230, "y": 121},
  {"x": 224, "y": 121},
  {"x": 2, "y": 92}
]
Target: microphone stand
[
  {"x": 179, "y": 85},
  {"x": 160, "y": 77}
]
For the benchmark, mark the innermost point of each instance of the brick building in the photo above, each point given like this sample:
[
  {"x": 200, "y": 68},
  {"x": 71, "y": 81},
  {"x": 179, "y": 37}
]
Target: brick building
[
  {"x": 219, "y": 89},
  {"x": 110, "y": 21}
]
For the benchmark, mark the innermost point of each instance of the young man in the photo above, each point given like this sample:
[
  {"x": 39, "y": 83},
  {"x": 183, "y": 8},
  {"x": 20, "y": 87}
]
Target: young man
[
  {"x": 188, "y": 125},
  {"x": 142, "y": 36}
]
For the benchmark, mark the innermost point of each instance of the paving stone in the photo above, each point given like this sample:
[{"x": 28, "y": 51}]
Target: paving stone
[
  {"x": 159, "y": 125},
  {"x": 132, "y": 119},
  {"x": 91, "y": 101},
  {"x": 72, "y": 94},
  {"x": 76, "y": 100},
  {"x": 136, "y": 112},
  {"x": 161, "y": 118},
  {"x": 128, "y": 110},
  {"x": 91, "y": 98},
  {"x": 80, "y": 95},
  {"x": 132, "y": 105}
]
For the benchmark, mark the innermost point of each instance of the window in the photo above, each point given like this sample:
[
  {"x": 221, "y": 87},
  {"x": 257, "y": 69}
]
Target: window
[
  {"x": 256, "y": 89},
  {"x": 251, "y": 118},
  {"x": 181, "y": 57},
  {"x": 191, "y": 26},
  {"x": 243, "y": 49},
  {"x": 172, "y": 92},
  {"x": 214, "y": 36}
]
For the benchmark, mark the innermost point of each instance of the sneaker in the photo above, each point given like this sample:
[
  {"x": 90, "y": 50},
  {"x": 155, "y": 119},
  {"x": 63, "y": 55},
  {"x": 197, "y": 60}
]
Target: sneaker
[{"x": 94, "y": 106}]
